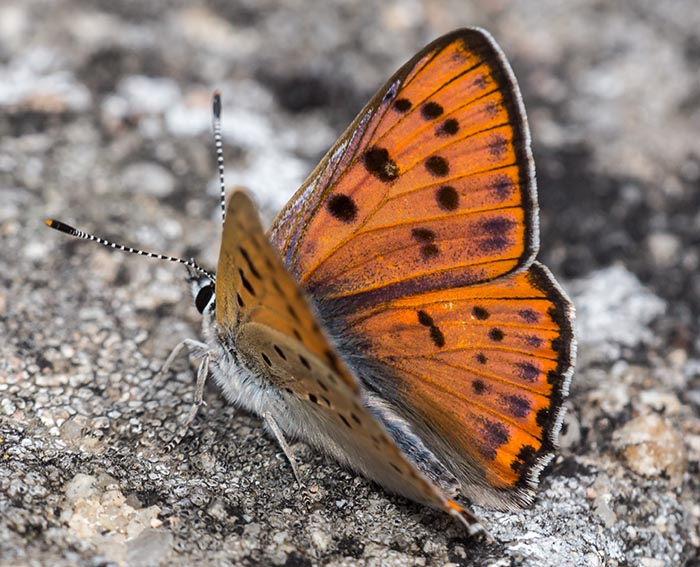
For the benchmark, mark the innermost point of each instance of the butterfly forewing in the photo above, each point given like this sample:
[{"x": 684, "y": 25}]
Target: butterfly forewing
[
  {"x": 253, "y": 287},
  {"x": 274, "y": 333},
  {"x": 415, "y": 239},
  {"x": 431, "y": 187}
]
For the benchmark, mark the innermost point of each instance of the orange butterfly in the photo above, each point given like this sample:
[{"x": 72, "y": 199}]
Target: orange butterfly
[{"x": 394, "y": 316}]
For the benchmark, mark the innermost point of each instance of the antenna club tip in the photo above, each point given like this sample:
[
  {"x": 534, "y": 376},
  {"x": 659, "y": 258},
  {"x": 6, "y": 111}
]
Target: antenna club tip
[{"x": 60, "y": 226}]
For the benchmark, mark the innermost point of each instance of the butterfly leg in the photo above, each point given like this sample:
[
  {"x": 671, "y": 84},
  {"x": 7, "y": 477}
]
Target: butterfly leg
[
  {"x": 279, "y": 435},
  {"x": 191, "y": 344},
  {"x": 202, "y": 374},
  {"x": 202, "y": 350}
]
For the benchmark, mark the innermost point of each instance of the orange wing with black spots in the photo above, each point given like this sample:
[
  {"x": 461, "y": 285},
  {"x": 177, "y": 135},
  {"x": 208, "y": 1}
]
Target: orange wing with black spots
[
  {"x": 482, "y": 370},
  {"x": 264, "y": 317},
  {"x": 431, "y": 187},
  {"x": 415, "y": 237}
]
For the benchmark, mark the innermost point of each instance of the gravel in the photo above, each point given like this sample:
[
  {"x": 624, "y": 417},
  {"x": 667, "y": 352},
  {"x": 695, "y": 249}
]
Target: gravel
[{"x": 104, "y": 123}]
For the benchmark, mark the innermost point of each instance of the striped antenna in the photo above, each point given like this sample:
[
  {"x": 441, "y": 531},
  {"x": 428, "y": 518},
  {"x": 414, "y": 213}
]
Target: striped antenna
[
  {"x": 219, "y": 150},
  {"x": 63, "y": 227}
]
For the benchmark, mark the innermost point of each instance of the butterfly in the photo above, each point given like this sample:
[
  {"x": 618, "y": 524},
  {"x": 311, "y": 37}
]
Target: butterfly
[{"x": 394, "y": 316}]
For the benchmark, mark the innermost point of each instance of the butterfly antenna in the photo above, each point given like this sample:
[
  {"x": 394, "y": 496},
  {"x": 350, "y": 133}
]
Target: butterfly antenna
[
  {"x": 67, "y": 229},
  {"x": 218, "y": 143}
]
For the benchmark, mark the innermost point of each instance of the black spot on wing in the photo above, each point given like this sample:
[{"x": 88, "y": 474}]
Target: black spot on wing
[
  {"x": 493, "y": 108},
  {"x": 423, "y": 234},
  {"x": 333, "y": 361},
  {"x": 517, "y": 406},
  {"x": 246, "y": 283},
  {"x": 481, "y": 82},
  {"x": 496, "y": 335},
  {"x": 378, "y": 162},
  {"x": 426, "y": 237},
  {"x": 480, "y": 313},
  {"x": 429, "y": 251},
  {"x": 342, "y": 208},
  {"x": 496, "y": 226},
  {"x": 276, "y": 285},
  {"x": 249, "y": 262},
  {"x": 528, "y": 371},
  {"x": 437, "y": 166},
  {"x": 447, "y": 198},
  {"x": 528, "y": 315},
  {"x": 437, "y": 336},
  {"x": 425, "y": 319},
  {"x": 448, "y": 128},
  {"x": 496, "y": 234},
  {"x": 292, "y": 313},
  {"x": 527, "y": 453},
  {"x": 402, "y": 105},
  {"x": 502, "y": 186},
  {"x": 493, "y": 435},
  {"x": 498, "y": 146},
  {"x": 396, "y": 468},
  {"x": 534, "y": 341},
  {"x": 431, "y": 110}
]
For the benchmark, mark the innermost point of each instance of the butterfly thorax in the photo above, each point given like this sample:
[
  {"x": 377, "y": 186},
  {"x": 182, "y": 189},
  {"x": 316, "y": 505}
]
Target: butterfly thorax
[{"x": 240, "y": 382}]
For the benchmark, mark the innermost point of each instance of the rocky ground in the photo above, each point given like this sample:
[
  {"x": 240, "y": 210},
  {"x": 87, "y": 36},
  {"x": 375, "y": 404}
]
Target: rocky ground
[{"x": 104, "y": 122}]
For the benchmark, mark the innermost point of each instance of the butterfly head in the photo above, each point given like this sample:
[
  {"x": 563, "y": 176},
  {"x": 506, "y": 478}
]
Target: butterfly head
[{"x": 203, "y": 291}]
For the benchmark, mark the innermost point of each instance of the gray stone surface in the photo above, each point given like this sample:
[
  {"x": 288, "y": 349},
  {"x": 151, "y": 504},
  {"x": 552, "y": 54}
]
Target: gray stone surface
[{"x": 104, "y": 122}]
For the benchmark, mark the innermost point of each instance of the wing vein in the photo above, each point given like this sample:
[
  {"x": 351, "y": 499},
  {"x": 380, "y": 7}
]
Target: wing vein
[
  {"x": 483, "y": 374},
  {"x": 501, "y": 417},
  {"x": 309, "y": 273}
]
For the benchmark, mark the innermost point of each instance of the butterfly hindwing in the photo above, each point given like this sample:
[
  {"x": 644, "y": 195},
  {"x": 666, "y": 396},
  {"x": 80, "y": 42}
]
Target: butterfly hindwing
[
  {"x": 431, "y": 187},
  {"x": 265, "y": 318},
  {"x": 484, "y": 371}
]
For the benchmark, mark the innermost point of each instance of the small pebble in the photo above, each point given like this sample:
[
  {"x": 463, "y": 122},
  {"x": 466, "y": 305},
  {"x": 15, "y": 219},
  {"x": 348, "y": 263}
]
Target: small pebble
[{"x": 652, "y": 448}]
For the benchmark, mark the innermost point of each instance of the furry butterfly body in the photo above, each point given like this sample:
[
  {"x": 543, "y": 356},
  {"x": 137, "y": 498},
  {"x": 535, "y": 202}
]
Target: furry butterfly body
[{"x": 394, "y": 316}]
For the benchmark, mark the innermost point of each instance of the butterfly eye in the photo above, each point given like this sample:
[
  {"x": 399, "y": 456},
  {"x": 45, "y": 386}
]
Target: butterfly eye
[{"x": 203, "y": 297}]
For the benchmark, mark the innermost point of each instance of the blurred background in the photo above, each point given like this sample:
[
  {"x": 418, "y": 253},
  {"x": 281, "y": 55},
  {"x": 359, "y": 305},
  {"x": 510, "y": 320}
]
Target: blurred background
[
  {"x": 109, "y": 97},
  {"x": 105, "y": 120}
]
